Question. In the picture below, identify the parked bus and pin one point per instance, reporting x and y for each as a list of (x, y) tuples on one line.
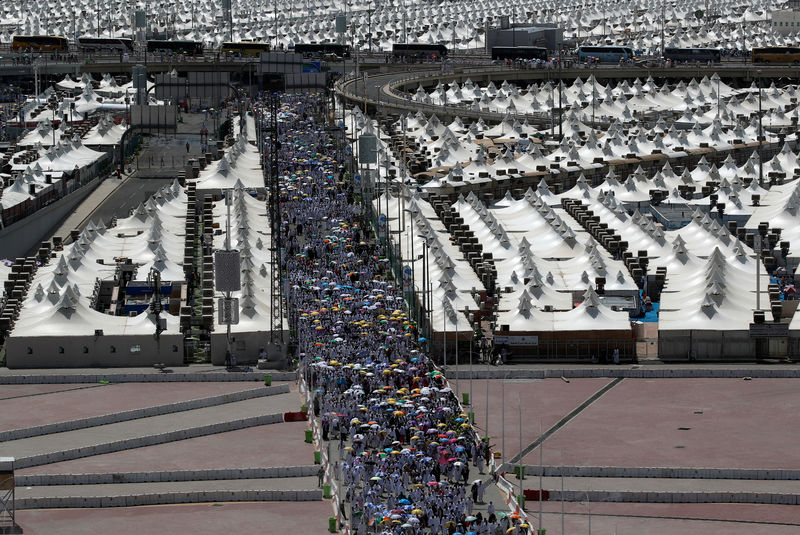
[(776, 54), (604, 54), (693, 55), (419, 50), (319, 50), (247, 49), (101, 44), (520, 52), (39, 43), (189, 48)]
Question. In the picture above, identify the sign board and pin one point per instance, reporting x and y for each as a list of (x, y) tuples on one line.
[(341, 24), (228, 308), (769, 330), (6, 473), (407, 280), (154, 117), (367, 149), (382, 221), (528, 340), (227, 271)]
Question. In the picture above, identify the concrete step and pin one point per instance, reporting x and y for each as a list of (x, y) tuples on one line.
[(268, 472), (664, 472), (661, 490), (12, 377), (133, 494), (68, 445), (146, 412)]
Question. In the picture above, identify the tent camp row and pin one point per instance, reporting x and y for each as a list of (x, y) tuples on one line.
[(461, 24), (550, 272), (59, 324)]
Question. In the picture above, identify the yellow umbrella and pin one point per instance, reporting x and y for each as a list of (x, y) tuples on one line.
[(417, 511)]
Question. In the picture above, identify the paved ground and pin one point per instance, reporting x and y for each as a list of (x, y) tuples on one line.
[(148, 426), (262, 446), (96, 400), (639, 423), (270, 518), (191, 368), (547, 400), (732, 514), (8, 392), (633, 525)]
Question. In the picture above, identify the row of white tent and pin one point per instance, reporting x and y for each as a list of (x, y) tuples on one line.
[(240, 165), (590, 101), (58, 325), (546, 260), (67, 156), (377, 25)]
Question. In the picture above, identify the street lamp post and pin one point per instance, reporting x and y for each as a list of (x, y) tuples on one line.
[(760, 133)]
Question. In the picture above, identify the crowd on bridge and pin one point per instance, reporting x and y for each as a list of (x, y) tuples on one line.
[(408, 459)]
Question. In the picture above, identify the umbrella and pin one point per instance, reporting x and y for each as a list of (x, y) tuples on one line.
[(417, 512), (470, 519)]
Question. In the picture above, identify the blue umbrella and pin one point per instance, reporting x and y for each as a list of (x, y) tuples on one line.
[(402, 501)]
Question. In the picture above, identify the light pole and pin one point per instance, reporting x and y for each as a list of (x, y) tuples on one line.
[(560, 127), (760, 133), (488, 368), (663, 10), (53, 105), (425, 279), (503, 416)]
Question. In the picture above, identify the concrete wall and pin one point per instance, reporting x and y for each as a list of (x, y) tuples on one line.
[(246, 347), (131, 500), (705, 345), (18, 239), (92, 351)]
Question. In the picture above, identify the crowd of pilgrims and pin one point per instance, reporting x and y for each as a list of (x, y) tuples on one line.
[(405, 449)]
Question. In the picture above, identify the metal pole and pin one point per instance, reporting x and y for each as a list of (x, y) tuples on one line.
[(487, 404), (757, 244), (444, 339), (503, 415), (760, 134), (588, 506), (228, 202), (458, 393), (541, 470), (663, 10), (562, 505), (470, 370), (560, 128), (519, 406)]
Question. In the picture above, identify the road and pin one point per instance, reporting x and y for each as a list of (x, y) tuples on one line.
[(379, 97)]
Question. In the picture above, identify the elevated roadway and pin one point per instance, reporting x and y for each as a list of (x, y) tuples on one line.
[(387, 91)]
